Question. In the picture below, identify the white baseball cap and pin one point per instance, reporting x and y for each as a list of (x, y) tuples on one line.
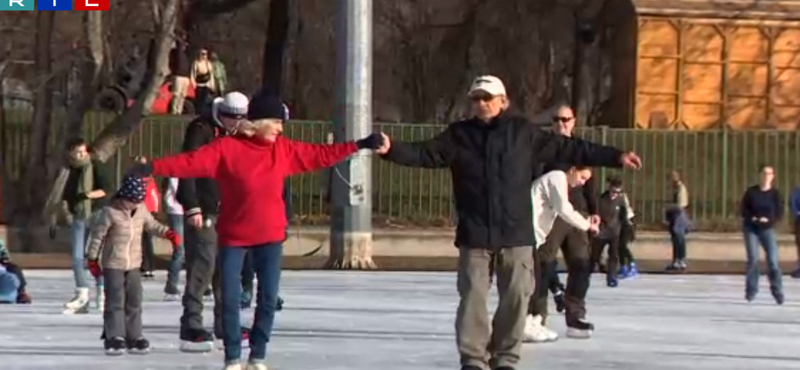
[(487, 84)]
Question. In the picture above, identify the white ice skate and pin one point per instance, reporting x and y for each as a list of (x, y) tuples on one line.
[(233, 367), (100, 299), (172, 297), (79, 303), (256, 366), (535, 332)]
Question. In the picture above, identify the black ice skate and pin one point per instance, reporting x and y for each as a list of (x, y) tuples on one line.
[(139, 346), (196, 341), (114, 346), (558, 298), (579, 328)]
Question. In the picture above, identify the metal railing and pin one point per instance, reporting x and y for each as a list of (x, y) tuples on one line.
[(716, 166)]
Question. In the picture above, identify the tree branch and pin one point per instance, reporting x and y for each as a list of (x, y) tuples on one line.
[(211, 7)]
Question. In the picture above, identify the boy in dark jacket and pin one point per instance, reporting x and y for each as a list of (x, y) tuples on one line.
[(610, 207)]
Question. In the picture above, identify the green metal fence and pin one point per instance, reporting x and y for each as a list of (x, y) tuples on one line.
[(717, 166)]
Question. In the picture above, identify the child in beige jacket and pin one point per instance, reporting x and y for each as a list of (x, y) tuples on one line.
[(116, 241)]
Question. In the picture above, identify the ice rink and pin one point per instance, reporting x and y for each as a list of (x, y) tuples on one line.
[(393, 321)]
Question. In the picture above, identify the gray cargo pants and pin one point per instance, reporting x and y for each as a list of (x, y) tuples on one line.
[(480, 344), (123, 314), (200, 259)]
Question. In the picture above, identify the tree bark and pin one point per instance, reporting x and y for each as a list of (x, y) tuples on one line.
[(275, 46), (116, 134), (90, 64)]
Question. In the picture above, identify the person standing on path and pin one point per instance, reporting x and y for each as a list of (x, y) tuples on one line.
[(794, 205), (181, 70), (250, 168), (678, 222), (175, 221), (200, 200), (761, 209), (80, 190), (492, 158)]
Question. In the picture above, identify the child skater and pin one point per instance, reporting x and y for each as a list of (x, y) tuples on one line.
[(117, 241)]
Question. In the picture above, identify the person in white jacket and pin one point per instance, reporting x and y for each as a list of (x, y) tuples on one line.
[(550, 200)]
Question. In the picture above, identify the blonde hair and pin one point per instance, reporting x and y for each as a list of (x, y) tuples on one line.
[(257, 127)]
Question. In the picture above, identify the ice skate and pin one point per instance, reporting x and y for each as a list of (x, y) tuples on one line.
[(778, 298), (612, 282), (139, 346), (100, 299), (579, 328), (256, 366), (535, 332), (114, 346), (558, 298), (79, 303), (171, 293), (208, 295), (681, 265), (236, 366), (148, 275), (624, 272), (633, 271), (196, 341)]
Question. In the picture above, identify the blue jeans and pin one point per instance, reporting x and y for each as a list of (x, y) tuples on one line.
[(766, 238), (176, 262), (267, 264), (79, 236)]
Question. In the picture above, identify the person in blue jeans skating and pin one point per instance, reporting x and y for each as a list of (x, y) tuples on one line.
[(249, 168), (761, 209)]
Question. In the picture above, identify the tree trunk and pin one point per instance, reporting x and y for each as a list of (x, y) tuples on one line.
[(275, 45), (90, 65), (116, 134), (31, 189)]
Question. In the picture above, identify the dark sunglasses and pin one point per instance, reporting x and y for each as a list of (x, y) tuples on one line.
[(484, 98), (562, 119)]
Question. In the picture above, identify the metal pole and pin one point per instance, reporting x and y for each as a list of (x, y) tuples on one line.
[(351, 208)]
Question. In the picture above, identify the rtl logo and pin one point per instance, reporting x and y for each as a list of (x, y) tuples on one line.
[(6, 5)]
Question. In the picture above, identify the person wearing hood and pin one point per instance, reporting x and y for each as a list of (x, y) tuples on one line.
[(200, 199), (115, 252), (250, 168)]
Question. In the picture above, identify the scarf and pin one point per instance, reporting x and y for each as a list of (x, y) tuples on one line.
[(83, 208)]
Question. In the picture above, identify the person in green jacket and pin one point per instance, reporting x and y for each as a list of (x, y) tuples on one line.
[(220, 75)]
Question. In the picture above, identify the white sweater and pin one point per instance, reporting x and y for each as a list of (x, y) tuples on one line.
[(173, 207), (550, 197)]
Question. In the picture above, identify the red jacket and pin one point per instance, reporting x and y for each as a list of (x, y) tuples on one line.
[(250, 174), (152, 198)]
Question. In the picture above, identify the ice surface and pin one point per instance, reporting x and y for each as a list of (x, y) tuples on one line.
[(392, 321)]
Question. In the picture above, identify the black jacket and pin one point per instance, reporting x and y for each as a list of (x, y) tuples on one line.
[(199, 195), (492, 166), (611, 215), (583, 198)]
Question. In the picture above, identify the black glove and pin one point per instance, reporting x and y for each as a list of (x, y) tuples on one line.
[(82, 197), (373, 141), (141, 169)]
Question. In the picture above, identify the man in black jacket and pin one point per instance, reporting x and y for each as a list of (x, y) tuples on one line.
[(574, 245), (612, 209), (492, 159), (200, 201)]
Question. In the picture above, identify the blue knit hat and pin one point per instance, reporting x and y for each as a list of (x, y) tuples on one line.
[(9, 284), (132, 189)]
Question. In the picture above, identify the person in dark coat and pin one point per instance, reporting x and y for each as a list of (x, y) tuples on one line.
[(492, 158)]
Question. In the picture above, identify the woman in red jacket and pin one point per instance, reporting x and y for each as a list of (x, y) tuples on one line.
[(250, 167)]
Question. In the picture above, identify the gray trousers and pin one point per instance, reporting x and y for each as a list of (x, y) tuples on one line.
[(480, 344), (200, 260), (123, 312)]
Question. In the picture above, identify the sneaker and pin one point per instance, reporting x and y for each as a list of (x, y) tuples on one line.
[(682, 265), (139, 346), (558, 298), (256, 366), (579, 328), (536, 332), (633, 271), (100, 299), (196, 340), (114, 346)]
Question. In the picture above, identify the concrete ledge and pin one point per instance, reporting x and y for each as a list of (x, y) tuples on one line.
[(414, 249)]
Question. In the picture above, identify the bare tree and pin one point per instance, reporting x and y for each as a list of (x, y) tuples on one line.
[(116, 134), (90, 65), (275, 45)]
